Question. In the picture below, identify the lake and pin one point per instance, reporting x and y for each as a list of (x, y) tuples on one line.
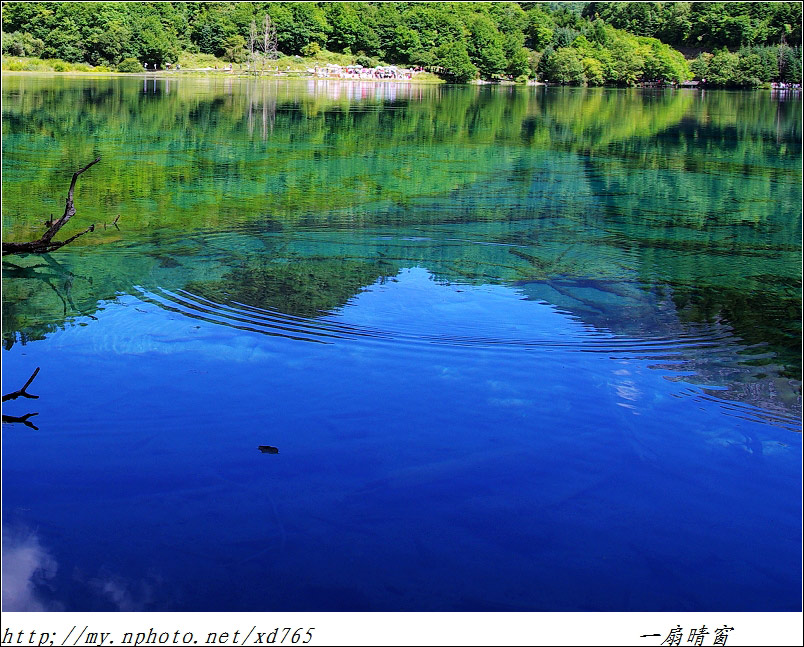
[(512, 348)]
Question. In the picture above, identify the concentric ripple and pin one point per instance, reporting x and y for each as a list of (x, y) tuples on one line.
[(699, 356), (326, 329)]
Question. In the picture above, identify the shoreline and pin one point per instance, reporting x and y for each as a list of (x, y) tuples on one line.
[(218, 74), (222, 74), (200, 73)]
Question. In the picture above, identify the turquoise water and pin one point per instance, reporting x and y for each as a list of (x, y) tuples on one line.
[(518, 348)]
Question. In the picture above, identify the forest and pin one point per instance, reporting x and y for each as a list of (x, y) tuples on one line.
[(732, 44)]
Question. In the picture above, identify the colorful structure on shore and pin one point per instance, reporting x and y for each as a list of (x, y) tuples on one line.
[(333, 71)]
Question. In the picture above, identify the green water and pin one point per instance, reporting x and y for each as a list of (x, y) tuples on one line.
[(298, 195)]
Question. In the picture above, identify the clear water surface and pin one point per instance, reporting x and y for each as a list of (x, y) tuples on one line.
[(518, 348)]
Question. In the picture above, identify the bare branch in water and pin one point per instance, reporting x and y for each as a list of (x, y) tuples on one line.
[(45, 244), (22, 393)]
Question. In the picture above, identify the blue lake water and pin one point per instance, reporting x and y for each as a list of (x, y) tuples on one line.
[(518, 350)]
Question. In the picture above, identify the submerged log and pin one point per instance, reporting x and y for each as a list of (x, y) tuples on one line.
[(46, 243)]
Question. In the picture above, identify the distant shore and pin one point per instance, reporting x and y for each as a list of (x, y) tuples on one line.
[(217, 74), (225, 74)]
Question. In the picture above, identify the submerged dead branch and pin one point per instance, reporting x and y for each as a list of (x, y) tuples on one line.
[(23, 419), (46, 244), (22, 393)]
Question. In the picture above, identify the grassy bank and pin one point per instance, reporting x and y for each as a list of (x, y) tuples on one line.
[(23, 64), (203, 64)]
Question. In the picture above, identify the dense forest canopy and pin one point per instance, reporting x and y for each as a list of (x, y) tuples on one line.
[(705, 24), (620, 43)]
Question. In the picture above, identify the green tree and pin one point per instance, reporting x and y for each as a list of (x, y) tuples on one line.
[(597, 33), (36, 18), (565, 66), (661, 62), (544, 59), (564, 37), (347, 28), (485, 47), (235, 49), (750, 68), (593, 71), (305, 23), (723, 68), (455, 62), (109, 41), (539, 30), (627, 64), (405, 45), (211, 30), (153, 43), (639, 18), (435, 25), (64, 42), (386, 19), (675, 25), (509, 17), (22, 44), (789, 64), (520, 64), (700, 66)]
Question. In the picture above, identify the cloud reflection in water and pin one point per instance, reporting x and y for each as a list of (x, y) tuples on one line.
[(27, 567), (30, 581)]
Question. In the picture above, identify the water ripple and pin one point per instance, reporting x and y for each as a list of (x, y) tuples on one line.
[(326, 329)]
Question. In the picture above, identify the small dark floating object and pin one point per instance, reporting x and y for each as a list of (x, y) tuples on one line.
[(267, 449)]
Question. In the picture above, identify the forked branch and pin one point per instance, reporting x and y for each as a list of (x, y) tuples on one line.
[(23, 419), (22, 393), (46, 244)]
